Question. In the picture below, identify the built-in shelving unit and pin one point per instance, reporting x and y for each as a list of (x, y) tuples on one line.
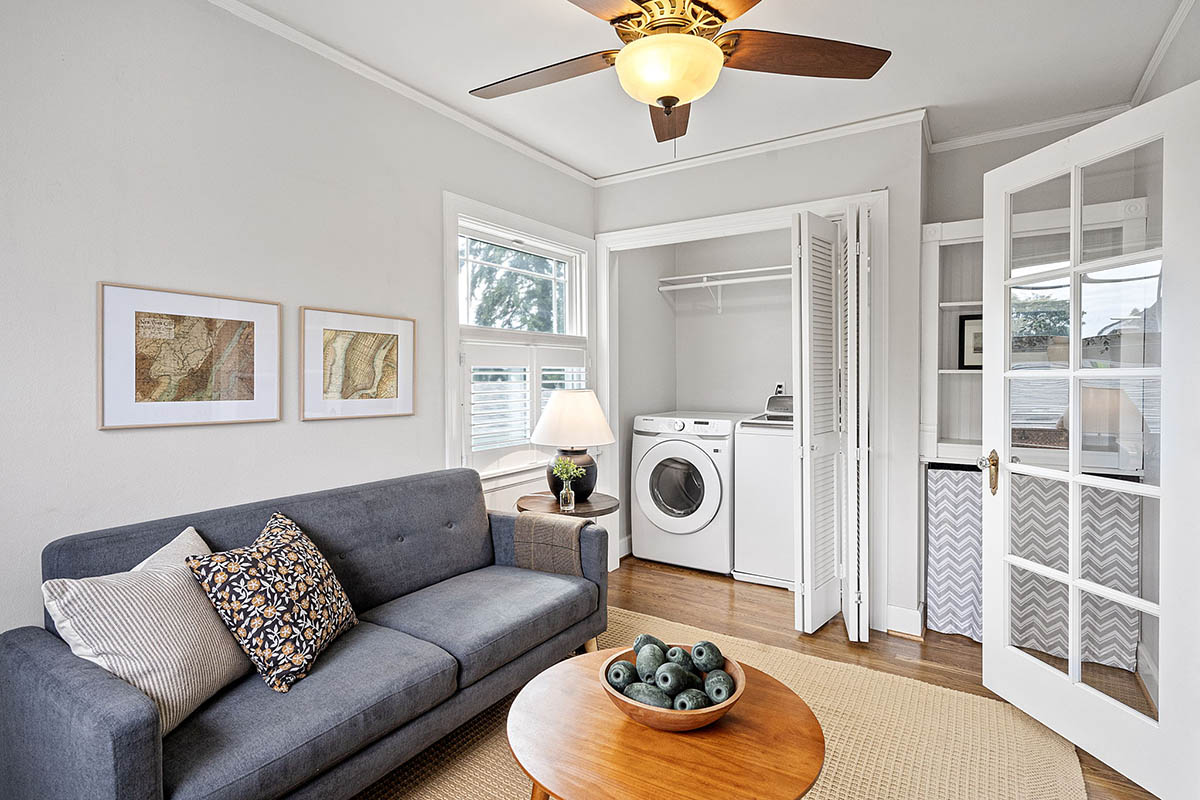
[(952, 287)]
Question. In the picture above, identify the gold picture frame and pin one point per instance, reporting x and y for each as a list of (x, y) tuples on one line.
[(130, 391), (386, 350)]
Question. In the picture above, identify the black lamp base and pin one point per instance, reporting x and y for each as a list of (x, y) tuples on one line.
[(584, 486)]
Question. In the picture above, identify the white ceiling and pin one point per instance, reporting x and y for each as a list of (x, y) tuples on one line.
[(977, 65)]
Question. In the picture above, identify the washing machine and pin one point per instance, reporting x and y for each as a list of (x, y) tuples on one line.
[(682, 489)]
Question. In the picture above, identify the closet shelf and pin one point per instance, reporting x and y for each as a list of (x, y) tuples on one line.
[(706, 280)]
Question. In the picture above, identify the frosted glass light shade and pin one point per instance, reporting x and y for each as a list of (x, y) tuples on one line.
[(677, 65), (572, 420)]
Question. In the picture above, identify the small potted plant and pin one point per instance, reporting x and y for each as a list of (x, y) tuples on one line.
[(566, 471)]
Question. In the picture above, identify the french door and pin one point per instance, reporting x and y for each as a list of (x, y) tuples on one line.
[(832, 367), (1091, 380)]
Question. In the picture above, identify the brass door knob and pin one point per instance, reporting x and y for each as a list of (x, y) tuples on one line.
[(992, 464)]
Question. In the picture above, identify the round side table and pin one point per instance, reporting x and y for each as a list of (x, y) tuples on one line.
[(597, 505)]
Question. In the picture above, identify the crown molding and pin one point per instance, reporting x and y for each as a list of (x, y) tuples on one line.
[(1160, 52), (1045, 126), (268, 23), (836, 132)]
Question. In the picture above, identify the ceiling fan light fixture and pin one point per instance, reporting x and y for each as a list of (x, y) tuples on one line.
[(679, 66)]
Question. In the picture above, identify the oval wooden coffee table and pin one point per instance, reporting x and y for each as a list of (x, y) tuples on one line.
[(575, 745)]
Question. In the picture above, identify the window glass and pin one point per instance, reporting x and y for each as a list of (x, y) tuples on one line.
[(511, 289)]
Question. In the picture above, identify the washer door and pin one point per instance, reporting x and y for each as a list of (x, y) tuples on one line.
[(678, 488)]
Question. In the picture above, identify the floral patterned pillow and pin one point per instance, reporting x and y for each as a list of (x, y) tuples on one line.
[(279, 598)]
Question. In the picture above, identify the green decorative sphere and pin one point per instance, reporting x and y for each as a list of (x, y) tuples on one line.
[(648, 695), (691, 700), (649, 659), (677, 655), (644, 639), (718, 685), (707, 656), (621, 674)]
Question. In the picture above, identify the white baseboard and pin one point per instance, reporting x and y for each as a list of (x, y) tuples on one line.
[(910, 621), (625, 547), (1147, 669)]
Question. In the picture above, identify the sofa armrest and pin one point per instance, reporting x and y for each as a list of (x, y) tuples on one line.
[(593, 552), (70, 728)]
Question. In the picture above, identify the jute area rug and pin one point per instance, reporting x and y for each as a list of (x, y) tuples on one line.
[(887, 737)]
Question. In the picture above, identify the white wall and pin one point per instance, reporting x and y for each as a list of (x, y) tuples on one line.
[(167, 143), (731, 361), (646, 342), (955, 189), (891, 158), (1181, 64)]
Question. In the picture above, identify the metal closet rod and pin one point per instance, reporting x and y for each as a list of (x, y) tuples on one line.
[(711, 279)]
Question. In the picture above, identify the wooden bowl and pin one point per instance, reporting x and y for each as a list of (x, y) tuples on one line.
[(668, 719)]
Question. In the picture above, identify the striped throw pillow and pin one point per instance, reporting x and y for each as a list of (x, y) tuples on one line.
[(153, 627)]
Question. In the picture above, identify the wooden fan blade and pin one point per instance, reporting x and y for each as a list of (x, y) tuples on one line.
[(672, 126), (609, 9), (791, 54), (554, 73), (731, 9)]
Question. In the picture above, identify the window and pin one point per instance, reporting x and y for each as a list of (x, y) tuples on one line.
[(521, 330)]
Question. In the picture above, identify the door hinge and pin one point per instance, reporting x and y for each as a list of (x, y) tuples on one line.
[(858, 598), (857, 248), (462, 359)]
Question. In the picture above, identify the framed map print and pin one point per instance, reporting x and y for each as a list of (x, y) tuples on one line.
[(178, 358), (355, 365)]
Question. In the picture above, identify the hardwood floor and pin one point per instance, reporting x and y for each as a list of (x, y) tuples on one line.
[(764, 614)]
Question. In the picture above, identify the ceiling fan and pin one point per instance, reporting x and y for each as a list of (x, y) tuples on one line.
[(674, 51)]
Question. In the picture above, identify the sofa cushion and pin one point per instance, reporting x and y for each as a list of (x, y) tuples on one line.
[(488, 617), (384, 539), (249, 742), (152, 626), (279, 598)]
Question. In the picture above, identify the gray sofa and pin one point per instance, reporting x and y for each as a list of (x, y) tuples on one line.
[(448, 627)]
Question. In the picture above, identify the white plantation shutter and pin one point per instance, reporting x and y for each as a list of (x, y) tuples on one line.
[(506, 386)]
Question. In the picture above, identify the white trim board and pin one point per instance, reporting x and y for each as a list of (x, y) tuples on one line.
[(1160, 52), (909, 621), (1017, 131)]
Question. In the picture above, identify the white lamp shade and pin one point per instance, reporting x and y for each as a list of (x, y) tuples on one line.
[(573, 420)]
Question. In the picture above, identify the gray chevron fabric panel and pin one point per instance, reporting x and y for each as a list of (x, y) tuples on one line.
[(1111, 527), (954, 532)]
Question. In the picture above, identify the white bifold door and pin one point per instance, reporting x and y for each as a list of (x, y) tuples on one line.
[(831, 365), (1091, 552)]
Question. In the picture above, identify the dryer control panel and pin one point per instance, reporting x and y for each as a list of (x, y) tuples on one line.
[(691, 426)]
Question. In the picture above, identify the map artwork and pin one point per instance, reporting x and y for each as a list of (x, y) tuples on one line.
[(359, 366), (181, 358)]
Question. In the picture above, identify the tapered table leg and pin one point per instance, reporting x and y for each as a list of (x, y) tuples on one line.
[(539, 793)]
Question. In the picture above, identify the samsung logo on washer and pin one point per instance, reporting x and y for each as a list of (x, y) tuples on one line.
[(690, 483)]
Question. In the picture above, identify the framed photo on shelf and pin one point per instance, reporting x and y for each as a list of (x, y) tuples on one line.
[(970, 341), (169, 357), (355, 365)]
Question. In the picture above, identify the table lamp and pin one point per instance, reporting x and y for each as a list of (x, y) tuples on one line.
[(572, 422)]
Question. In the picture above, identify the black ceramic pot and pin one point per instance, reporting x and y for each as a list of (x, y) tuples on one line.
[(583, 487)]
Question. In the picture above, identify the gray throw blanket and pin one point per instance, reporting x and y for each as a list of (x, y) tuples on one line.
[(548, 543)]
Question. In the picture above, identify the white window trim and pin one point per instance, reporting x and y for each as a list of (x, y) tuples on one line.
[(492, 223)]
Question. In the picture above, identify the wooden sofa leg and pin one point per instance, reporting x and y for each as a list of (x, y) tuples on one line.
[(590, 646)]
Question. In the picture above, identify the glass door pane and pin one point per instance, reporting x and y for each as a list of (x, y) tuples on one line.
[(1128, 186), (1039, 226)]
